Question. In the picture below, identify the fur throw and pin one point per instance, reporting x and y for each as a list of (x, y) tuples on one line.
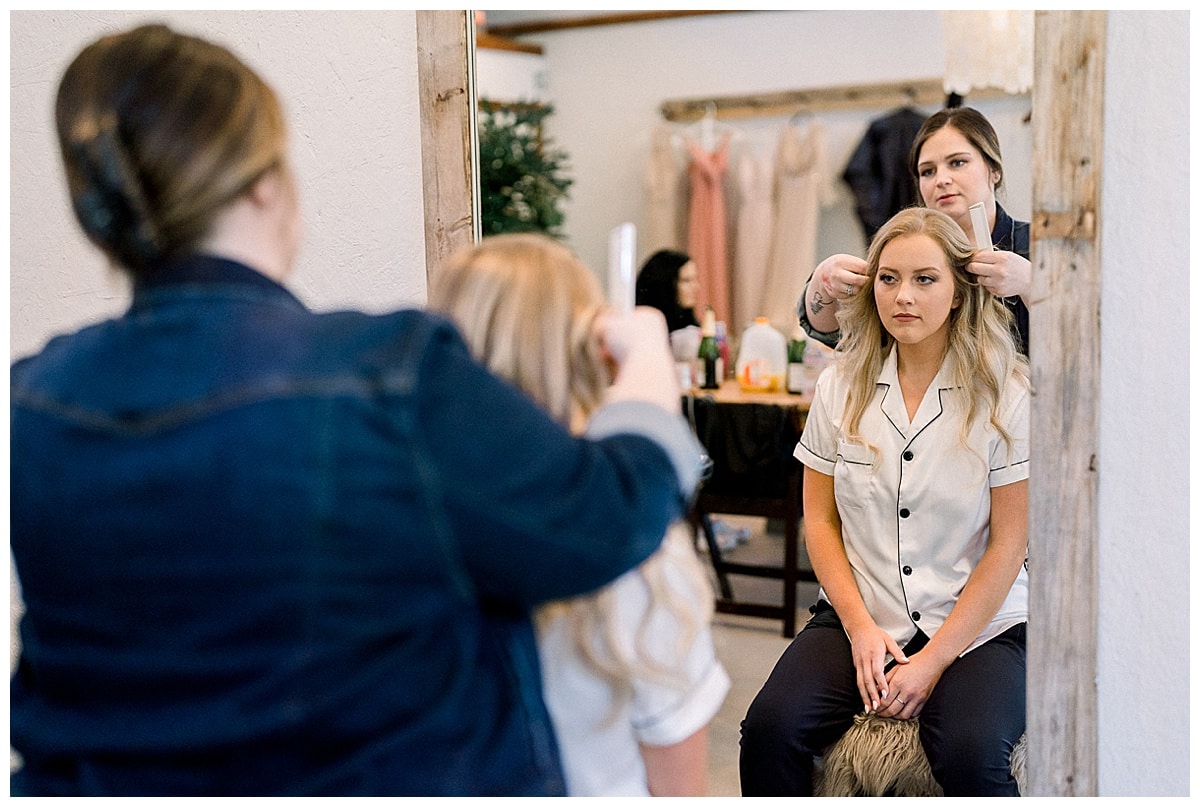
[(881, 756)]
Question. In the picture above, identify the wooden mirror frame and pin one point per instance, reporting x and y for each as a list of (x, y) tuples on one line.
[(1062, 646), (1065, 343), (449, 161)]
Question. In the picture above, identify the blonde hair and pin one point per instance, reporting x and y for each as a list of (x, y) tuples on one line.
[(980, 347), (526, 306), (159, 132)]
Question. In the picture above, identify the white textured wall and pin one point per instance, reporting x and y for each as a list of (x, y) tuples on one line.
[(507, 75), (608, 82), (348, 83), (1144, 670)]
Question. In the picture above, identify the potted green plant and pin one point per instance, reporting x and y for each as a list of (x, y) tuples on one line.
[(523, 178)]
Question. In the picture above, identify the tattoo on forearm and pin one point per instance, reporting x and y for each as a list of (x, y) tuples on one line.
[(819, 302)]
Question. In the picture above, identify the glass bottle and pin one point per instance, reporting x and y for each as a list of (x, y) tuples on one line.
[(795, 357), (723, 344), (709, 369)]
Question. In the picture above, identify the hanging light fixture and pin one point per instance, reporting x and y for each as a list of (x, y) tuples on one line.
[(988, 49)]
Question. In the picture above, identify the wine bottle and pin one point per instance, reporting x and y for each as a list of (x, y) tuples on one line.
[(709, 356), (723, 344), (795, 357)]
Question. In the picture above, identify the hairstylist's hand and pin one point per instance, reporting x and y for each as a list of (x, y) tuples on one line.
[(1004, 274), (840, 276), (639, 346)]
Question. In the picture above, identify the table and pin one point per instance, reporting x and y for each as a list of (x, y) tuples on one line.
[(731, 392), (750, 438)]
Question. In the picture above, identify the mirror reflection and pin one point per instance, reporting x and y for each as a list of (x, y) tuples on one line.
[(759, 119)]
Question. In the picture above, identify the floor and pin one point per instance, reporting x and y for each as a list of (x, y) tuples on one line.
[(748, 647)]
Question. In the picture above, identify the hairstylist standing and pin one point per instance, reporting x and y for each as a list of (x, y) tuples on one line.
[(269, 551), (956, 163)]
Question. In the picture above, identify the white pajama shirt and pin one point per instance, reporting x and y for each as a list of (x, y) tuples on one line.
[(598, 733), (915, 522)]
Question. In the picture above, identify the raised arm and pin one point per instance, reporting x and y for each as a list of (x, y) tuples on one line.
[(529, 512), (835, 279)]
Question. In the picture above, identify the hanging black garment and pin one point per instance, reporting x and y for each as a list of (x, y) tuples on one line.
[(878, 169)]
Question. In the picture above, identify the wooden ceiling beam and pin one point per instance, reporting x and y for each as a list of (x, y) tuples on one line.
[(591, 20)]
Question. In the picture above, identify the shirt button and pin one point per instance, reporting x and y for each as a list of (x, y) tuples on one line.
[(908, 455), (903, 512), (916, 615), (907, 570)]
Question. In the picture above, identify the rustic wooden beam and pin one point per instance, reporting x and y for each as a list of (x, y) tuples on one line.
[(495, 42), (552, 23), (881, 95), (444, 65), (1068, 128)]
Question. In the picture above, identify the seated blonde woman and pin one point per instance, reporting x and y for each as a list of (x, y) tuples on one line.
[(916, 486), (630, 674)]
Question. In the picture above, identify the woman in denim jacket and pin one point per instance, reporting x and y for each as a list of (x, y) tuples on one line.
[(269, 551)]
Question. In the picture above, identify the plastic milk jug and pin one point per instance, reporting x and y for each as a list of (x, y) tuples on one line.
[(762, 358)]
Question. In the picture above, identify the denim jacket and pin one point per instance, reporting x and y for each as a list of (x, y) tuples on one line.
[(269, 551)]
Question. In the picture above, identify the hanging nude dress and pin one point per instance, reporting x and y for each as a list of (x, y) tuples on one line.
[(801, 187), (752, 242), (664, 191)]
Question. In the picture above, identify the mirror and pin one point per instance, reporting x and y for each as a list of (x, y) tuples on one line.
[(608, 84)]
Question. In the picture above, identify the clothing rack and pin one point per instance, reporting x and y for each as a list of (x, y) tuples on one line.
[(921, 92)]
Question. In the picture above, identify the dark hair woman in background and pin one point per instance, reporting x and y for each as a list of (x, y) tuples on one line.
[(269, 551), (668, 282)]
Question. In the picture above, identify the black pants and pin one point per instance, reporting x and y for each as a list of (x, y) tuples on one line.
[(969, 725)]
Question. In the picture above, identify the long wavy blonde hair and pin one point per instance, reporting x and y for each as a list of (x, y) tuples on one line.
[(526, 306), (982, 354)]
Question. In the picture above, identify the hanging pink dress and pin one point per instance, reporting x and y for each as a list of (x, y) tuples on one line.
[(708, 238)]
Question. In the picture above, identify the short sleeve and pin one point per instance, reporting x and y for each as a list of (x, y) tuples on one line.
[(1010, 463), (817, 448), (681, 714)]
